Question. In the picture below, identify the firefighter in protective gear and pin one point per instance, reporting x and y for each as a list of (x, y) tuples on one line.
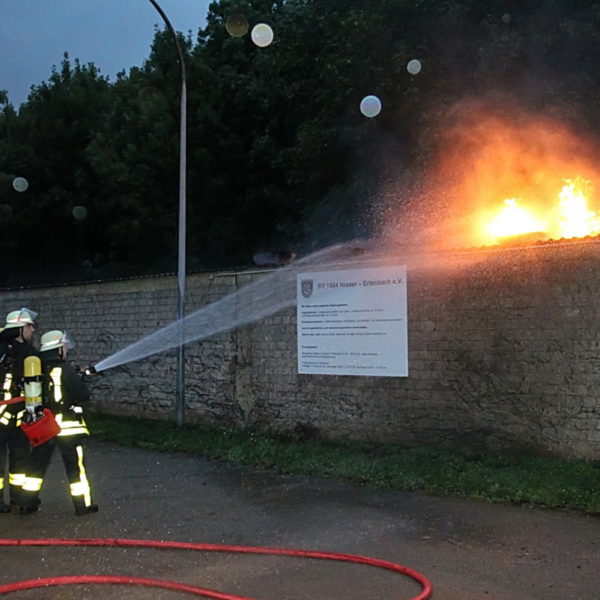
[(15, 347), (63, 391)]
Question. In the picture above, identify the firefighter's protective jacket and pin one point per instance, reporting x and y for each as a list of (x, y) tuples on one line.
[(13, 354), (63, 392), (11, 371)]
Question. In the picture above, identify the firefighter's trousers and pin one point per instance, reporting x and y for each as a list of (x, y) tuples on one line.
[(14, 446), (71, 449)]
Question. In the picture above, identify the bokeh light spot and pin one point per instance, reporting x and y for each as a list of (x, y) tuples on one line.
[(370, 106), (80, 212), (20, 184), (237, 25), (262, 35), (413, 66)]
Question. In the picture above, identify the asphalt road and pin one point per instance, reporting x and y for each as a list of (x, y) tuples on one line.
[(469, 550)]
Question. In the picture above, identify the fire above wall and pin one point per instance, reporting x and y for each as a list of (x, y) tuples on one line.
[(569, 217), (501, 172)]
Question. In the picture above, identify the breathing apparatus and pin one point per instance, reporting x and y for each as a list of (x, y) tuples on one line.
[(32, 379), (39, 424)]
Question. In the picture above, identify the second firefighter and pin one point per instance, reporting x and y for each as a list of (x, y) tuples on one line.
[(63, 393)]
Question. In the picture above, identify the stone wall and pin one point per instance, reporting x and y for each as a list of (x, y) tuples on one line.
[(503, 352)]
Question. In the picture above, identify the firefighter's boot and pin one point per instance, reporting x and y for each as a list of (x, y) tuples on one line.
[(27, 510), (81, 509)]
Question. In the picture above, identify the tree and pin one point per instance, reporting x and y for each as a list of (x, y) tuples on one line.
[(44, 143), (279, 155)]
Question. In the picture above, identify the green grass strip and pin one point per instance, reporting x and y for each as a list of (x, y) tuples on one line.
[(519, 478)]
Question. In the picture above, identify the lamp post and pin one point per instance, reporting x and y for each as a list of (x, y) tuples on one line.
[(180, 383)]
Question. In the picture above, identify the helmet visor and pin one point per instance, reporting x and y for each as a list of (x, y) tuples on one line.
[(67, 341)]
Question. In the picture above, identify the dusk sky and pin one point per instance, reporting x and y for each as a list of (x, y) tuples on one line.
[(113, 34)]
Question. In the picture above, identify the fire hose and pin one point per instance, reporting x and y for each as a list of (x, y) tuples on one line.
[(191, 589), (12, 400)]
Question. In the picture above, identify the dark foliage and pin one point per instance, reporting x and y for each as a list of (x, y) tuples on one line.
[(279, 155)]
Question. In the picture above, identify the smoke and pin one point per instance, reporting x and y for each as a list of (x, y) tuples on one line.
[(427, 178), (483, 151), (510, 110)]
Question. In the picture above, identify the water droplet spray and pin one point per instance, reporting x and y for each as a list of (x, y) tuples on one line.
[(257, 300)]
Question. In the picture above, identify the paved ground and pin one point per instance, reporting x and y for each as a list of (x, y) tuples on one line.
[(469, 550)]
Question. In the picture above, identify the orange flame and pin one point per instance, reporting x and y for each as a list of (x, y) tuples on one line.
[(575, 219), (513, 220), (499, 171), (570, 218)]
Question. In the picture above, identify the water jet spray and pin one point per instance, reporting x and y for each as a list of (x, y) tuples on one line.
[(257, 300)]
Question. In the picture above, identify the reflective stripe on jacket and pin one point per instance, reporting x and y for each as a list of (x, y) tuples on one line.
[(70, 423), (5, 415), (6, 386)]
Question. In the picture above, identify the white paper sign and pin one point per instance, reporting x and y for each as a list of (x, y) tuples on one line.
[(353, 322)]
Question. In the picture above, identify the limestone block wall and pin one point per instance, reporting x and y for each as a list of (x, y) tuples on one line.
[(503, 352)]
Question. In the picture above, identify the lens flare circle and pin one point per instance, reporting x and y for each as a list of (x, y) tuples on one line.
[(262, 35), (414, 66), (237, 25), (20, 184), (79, 212), (370, 106)]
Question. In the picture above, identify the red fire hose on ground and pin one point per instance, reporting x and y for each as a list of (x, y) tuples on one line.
[(197, 591)]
